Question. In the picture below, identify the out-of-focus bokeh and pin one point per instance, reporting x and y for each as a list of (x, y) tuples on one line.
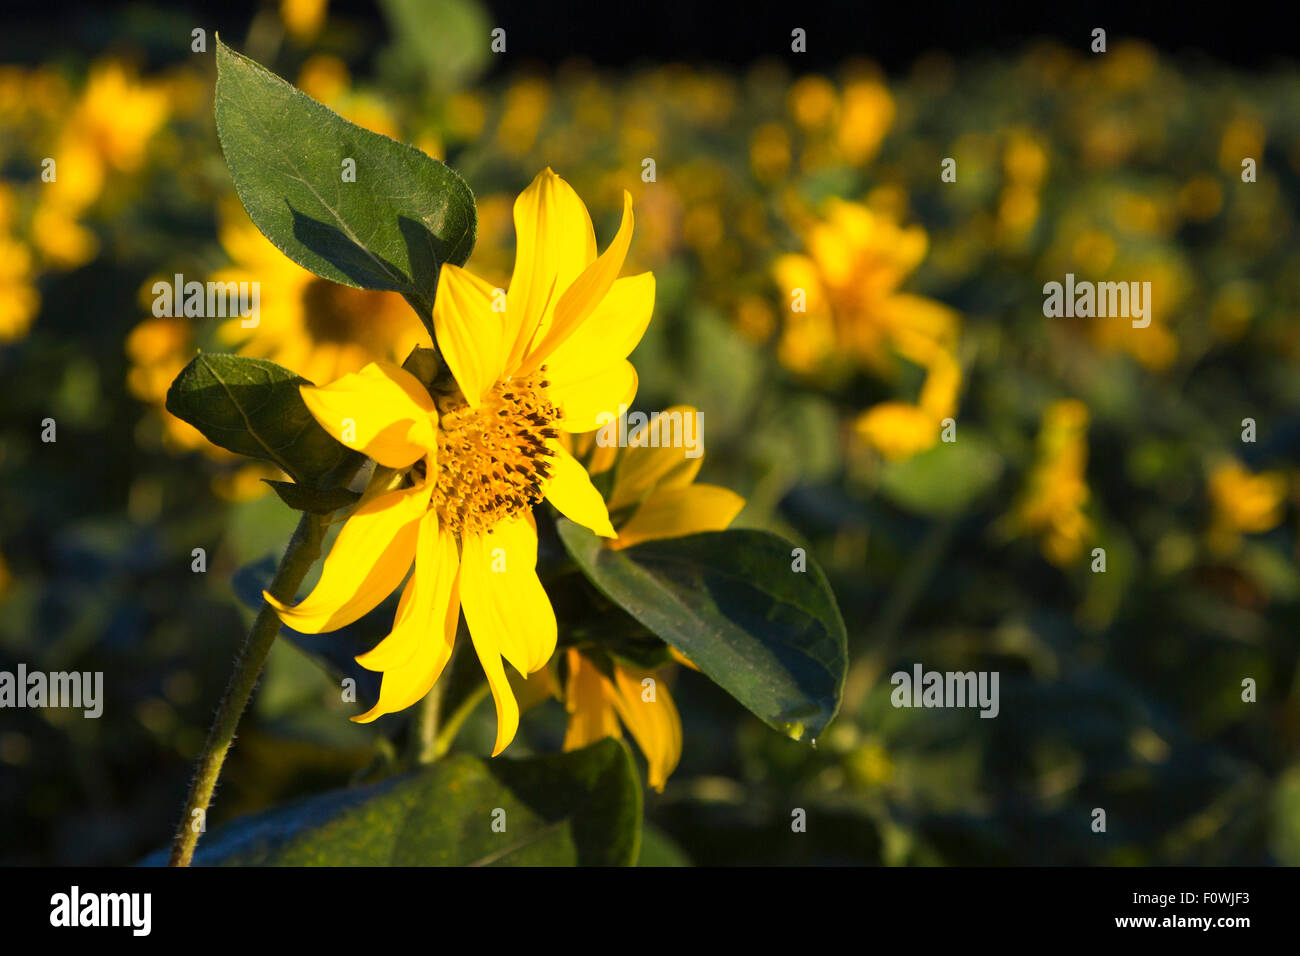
[(828, 300)]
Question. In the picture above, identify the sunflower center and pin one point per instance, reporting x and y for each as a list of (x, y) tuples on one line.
[(338, 314), (493, 462)]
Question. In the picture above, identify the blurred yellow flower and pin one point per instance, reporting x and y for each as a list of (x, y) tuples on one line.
[(64, 242), (1243, 138), (769, 152), (523, 110), (842, 295), (117, 115), (325, 78), (813, 102), (866, 115), (845, 308), (1243, 503), (19, 298), (899, 430), (303, 19), (465, 114), (108, 131), (1052, 503)]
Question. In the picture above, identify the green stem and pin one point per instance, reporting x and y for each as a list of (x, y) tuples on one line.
[(304, 549), (451, 726), (425, 732)]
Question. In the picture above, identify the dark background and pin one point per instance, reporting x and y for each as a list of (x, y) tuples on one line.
[(1249, 36)]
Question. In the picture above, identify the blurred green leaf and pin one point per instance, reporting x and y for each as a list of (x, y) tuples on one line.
[(252, 407), (579, 808), (770, 636), (945, 479), (392, 228), (446, 39)]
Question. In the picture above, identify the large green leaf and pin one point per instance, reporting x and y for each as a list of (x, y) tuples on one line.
[(392, 228), (732, 602), (560, 810), (252, 407)]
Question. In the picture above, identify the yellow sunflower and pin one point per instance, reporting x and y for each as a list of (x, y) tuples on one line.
[(108, 131), (846, 309), (654, 496), (470, 463), (852, 308)]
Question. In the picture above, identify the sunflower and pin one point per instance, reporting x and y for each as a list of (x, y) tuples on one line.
[(471, 462), (654, 496), (853, 310), (854, 314), (108, 131)]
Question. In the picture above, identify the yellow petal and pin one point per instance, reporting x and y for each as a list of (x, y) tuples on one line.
[(794, 271), (654, 723), (579, 300), (898, 430), (609, 334), (369, 558), (673, 512), (382, 411), (681, 658), (485, 607), (502, 596), (667, 451), (586, 698), (413, 656), (416, 614), (942, 382), (603, 457), (589, 403), (554, 243), (573, 494), (469, 333)]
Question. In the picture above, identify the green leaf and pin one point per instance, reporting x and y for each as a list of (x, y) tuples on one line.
[(392, 228), (579, 808), (252, 407), (318, 501), (945, 479), (770, 636)]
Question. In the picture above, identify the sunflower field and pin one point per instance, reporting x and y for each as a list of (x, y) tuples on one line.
[(416, 454)]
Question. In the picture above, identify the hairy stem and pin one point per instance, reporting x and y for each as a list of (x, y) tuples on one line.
[(301, 554)]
